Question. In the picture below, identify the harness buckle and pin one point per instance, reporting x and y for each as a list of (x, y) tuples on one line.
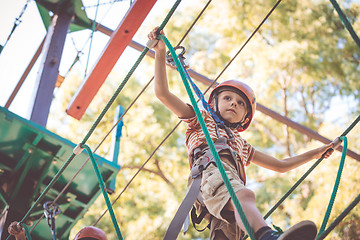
[(196, 171)]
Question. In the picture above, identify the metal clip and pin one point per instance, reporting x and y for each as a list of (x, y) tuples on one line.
[(197, 170), (78, 149), (336, 142), (170, 60), (51, 209)]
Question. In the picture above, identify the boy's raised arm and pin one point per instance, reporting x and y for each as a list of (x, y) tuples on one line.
[(162, 92)]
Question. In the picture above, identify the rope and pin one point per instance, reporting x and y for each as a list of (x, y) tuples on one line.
[(307, 173), (224, 68), (346, 22), (16, 23), (288, 193), (27, 232), (139, 170), (336, 187), (104, 192), (208, 139), (251, 36), (340, 218), (192, 25)]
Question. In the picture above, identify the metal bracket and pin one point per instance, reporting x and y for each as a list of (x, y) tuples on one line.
[(170, 60)]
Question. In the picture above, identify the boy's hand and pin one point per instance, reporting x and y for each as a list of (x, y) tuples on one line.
[(325, 151), (16, 230), (160, 46)]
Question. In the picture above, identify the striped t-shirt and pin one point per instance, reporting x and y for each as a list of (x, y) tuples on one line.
[(195, 137)]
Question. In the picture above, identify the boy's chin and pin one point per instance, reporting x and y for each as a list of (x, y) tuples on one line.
[(231, 121)]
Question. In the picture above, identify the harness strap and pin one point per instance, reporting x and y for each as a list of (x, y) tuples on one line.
[(181, 216), (184, 209), (197, 219)]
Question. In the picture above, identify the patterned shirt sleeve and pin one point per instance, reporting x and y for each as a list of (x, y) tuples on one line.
[(247, 153)]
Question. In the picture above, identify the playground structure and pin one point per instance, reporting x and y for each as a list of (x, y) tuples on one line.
[(35, 143)]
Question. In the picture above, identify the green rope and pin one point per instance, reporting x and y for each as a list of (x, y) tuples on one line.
[(336, 187), (48, 187), (96, 123), (208, 139), (340, 218), (346, 22), (356, 121), (27, 231), (288, 193), (104, 192)]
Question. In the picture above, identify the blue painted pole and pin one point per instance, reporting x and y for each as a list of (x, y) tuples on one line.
[(115, 141)]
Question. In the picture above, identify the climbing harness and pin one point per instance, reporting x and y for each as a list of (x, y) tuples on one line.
[(51, 209), (203, 157)]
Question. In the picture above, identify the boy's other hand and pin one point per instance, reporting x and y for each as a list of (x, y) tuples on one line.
[(16, 230), (160, 46), (325, 150)]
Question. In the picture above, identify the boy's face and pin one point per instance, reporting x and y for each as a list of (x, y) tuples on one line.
[(232, 106)]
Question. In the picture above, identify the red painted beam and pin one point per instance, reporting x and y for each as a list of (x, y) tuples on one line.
[(119, 40)]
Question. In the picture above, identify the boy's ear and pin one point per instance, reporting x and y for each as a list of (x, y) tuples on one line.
[(245, 121)]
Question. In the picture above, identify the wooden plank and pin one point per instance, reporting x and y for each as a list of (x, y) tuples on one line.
[(119, 40)]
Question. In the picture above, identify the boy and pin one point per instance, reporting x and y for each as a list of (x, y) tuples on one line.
[(234, 103)]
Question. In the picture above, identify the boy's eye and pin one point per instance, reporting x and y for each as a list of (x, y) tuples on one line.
[(227, 98)]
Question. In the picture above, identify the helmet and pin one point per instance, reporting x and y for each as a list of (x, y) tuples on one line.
[(243, 90), (91, 232)]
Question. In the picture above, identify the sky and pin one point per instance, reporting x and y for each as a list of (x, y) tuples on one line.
[(27, 37)]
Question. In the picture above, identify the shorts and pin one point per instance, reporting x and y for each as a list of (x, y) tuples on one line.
[(220, 230), (214, 193)]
